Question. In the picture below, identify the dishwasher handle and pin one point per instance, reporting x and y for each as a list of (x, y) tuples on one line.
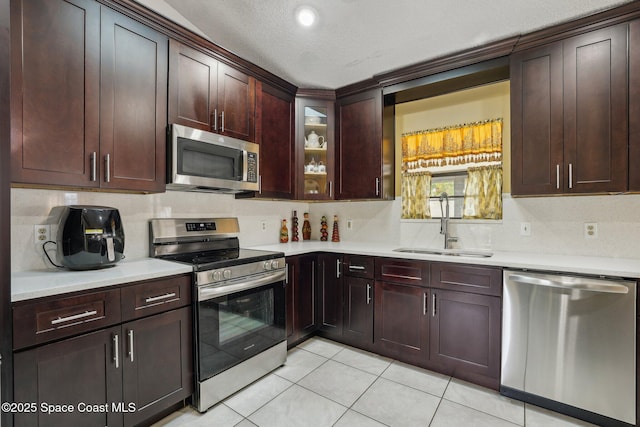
[(571, 283)]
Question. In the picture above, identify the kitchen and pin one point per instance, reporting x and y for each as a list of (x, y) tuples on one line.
[(372, 222)]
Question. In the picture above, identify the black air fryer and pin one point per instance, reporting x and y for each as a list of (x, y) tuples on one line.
[(90, 237)]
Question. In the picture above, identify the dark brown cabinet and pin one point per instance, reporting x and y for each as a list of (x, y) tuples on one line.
[(152, 350), (275, 124), (133, 105), (302, 298), (316, 145), (634, 105), (359, 156), (331, 295), (95, 115), (80, 369), (207, 94), (569, 115), (358, 300), (402, 309), (137, 366), (465, 336), (402, 322)]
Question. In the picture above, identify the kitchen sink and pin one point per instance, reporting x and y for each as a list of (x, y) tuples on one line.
[(448, 252)]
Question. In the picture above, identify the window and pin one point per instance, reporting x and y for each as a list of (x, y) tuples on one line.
[(453, 184)]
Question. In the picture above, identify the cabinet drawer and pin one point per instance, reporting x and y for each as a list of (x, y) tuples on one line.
[(467, 278), (402, 271), (359, 266), (56, 318), (155, 296)]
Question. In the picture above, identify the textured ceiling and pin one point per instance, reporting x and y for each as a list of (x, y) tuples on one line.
[(355, 39)]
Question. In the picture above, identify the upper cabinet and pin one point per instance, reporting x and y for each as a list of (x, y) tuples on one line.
[(362, 161), (275, 123), (89, 97), (569, 115), (316, 146), (634, 105), (210, 95)]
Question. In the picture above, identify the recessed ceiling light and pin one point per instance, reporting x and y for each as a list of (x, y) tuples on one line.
[(306, 16)]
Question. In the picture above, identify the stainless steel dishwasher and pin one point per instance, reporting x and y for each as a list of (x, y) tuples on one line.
[(569, 344)]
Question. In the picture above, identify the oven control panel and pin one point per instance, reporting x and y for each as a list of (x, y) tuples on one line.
[(272, 265), (235, 273), (200, 226)]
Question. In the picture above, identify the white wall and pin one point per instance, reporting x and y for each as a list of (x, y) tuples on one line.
[(33, 206)]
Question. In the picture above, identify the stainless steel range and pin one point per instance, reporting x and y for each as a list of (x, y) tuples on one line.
[(239, 307)]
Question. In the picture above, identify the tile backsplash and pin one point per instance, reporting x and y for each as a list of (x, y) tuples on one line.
[(557, 223)]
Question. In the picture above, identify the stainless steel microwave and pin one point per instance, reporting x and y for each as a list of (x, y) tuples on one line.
[(203, 161)]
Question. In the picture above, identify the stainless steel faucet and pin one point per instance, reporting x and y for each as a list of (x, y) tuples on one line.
[(444, 221)]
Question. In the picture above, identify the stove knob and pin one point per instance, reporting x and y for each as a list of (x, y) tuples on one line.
[(274, 264), (226, 274), (267, 265), (217, 275)]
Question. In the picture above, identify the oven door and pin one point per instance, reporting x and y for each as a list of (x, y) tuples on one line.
[(238, 320)]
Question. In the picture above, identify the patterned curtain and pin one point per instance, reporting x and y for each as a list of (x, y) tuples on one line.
[(483, 193), (415, 195), (454, 145)]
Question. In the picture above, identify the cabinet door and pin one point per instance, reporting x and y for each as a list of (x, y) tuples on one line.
[(193, 88), (275, 134), (596, 111), (86, 369), (157, 363), (359, 155), (55, 74), (236, 103), (465, 335), (634, 106), (358, 312), (331, 294), (537, 164), (315, 170), (402, 322), (306, 297), (133, 105)]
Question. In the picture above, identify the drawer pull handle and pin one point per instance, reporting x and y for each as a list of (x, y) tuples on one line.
[(356, 267), (74, 317), (159, 298)]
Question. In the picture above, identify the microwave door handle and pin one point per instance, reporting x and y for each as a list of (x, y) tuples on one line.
[(245, 164)]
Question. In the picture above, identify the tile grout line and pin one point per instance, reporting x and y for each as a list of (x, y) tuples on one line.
[(440, 402)]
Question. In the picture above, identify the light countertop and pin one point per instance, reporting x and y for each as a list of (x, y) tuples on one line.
[(598, 266), (41, 283)]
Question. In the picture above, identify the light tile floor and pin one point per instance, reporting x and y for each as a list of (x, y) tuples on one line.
[(324, 383)]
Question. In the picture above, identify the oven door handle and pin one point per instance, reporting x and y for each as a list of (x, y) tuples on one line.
[(218, 290)]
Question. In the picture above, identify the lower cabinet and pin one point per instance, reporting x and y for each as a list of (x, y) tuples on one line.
[(465, 336), (156, 363), (402, 322), (302, 298), (62, 374), (357, 327), (438, 315), (124, 374), (331, 295)]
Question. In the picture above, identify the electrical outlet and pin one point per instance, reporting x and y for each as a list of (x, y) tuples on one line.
[(41, 233), (525, 229), (263, 225), (590, 230), (349, 224)]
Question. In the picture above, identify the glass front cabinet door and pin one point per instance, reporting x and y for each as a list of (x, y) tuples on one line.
[(316, 148)]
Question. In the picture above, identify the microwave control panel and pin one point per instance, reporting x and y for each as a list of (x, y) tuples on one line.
[(252, 167)]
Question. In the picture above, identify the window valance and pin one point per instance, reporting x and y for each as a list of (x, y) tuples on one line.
[(477, 142)]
